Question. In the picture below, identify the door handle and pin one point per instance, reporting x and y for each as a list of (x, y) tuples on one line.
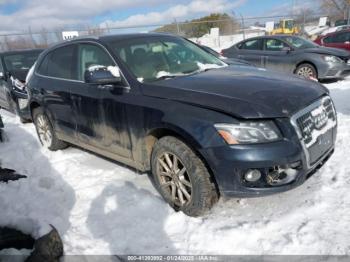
[(105, 87)]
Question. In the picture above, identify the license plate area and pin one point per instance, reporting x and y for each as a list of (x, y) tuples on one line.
[(322, 145)]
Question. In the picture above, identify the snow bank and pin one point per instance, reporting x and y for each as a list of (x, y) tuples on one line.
[(102, 207)]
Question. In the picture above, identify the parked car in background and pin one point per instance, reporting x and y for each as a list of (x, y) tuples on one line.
[(339, 39), (292, 54), (230, 61), (199, 127), (14, 66)]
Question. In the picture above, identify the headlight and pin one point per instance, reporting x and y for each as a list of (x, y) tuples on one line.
[(332, 59), (249, 132), (18, 84)]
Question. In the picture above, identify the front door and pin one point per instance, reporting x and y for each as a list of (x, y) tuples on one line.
[(277, 56), (101, 118)]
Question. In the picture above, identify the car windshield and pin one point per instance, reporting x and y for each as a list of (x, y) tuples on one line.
[(154, 58), (20, 61), (299, 43)]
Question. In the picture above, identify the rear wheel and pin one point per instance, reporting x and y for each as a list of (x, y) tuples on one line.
[(182, 178), (45, 131), (307, 71)]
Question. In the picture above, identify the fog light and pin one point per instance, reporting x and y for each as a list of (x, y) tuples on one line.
[(252, 175)]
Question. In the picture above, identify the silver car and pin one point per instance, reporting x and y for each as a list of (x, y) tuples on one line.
[(293, 54)]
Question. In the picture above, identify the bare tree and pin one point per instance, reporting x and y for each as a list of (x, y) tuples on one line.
[(95, 31), (336, 9), (44, 38), (17, 42)]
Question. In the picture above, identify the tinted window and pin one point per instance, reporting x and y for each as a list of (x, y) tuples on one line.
[(91, 56), (274, 45), (61, 63), (251, 45), (43, 66), (338, 38), (22, 61)]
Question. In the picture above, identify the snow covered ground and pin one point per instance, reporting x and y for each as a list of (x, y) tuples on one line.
[(102, 207)]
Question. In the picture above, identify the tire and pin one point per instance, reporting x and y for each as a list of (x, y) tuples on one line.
[(306, 70), (46, 132), (191, 176)]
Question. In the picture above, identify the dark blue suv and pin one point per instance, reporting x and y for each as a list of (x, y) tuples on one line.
[(199, 127)]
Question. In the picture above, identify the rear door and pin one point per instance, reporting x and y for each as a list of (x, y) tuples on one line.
[(252, 51), (276, 56), (339, 40), (57, 76)]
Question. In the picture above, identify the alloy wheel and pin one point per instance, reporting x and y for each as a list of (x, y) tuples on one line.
[(306, 72), (44, 131), (174, 179)]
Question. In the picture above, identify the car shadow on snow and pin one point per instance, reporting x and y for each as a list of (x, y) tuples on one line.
[(42, 199), (131, 220)]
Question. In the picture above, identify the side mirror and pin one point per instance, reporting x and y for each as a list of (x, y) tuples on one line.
[(103, 75)]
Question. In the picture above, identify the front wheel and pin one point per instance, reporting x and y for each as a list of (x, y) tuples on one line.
[(45, 131), (182, 178), (307, 71)]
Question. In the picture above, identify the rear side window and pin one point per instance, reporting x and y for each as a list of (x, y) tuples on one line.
[(42, 70), (60, 63), (255, 44), (274, 45), (338, 38)]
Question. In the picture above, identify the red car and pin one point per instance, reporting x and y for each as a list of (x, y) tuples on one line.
[(339, 39)]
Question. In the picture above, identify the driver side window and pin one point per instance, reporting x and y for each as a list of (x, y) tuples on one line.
[(274, 45), (92, 57)]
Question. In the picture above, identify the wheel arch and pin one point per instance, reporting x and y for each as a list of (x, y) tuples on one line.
[(157, 133), (306, 62), (33, 105)]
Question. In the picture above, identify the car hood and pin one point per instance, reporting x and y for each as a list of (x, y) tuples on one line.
[(234, 61), (243, 92), (328, 51)]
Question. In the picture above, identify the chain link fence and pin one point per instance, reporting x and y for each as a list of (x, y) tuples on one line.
[(231, 30)]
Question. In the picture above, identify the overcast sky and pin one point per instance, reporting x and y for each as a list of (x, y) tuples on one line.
[(19, 15)]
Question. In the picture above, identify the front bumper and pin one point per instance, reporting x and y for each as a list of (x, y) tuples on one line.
[(334, 71), (230, 163)]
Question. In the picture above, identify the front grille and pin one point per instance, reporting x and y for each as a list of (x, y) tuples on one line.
[(316, 125)]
